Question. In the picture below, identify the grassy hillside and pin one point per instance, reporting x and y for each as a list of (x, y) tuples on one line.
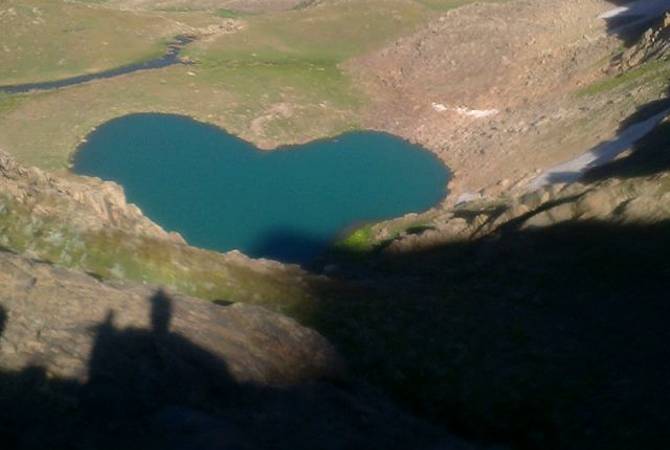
[(117, 253), (536, 321), (265, 82), (46, 40)]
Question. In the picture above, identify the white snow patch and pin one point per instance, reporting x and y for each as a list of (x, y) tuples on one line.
[(574, 169), (641, 11), (613, 12), (464, 111), (467, 197), (476, 113)]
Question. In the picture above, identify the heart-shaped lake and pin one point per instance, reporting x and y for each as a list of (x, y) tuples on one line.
[(222, 193)]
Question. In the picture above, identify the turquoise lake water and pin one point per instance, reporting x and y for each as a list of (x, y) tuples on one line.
[(222, 193)]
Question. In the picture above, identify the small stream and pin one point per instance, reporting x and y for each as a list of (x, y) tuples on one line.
[(171, 57)]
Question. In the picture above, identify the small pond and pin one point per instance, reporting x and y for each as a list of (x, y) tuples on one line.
[(222, 193)]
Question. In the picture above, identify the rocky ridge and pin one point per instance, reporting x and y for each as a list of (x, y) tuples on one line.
[(98, 204), (618, 202), (87, 224), (51, 315), (86, 364), (654, 44)]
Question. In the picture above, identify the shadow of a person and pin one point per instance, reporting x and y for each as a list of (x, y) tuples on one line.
[(152, 388), (135, 373), (3, 320), (161, 313)]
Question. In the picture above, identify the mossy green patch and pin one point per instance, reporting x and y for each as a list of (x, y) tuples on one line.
[(649, 72), (228, 13), (336, 32), (116, 254), (359, 241), (9, 102)]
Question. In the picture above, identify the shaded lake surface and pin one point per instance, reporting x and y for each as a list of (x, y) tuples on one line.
[(222, 193)]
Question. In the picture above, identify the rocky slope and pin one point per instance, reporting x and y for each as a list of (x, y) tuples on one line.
[(88, 203), (653, 45), (533, 319), (52, 315), (631, 188), (499, 91), (243, 6), (537, 321), (91, 365), (614, 201), (86, 224)]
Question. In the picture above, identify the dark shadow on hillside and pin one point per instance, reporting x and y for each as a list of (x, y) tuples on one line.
[(648, 156), (289, 245), (642, 157), (537, 338), (155, 389), (641, 15), (623, 156), (646, 111), (550, 338)]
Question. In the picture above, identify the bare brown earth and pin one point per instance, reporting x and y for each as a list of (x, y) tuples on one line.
[(49, 308), (237, 5), (521, 62)]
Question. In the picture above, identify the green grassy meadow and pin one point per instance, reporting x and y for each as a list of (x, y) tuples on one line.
[(277, 80)]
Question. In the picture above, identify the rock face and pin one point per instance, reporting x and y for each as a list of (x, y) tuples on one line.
[(500, 89), (97, 204), (87, 224), (52, 315), (538, 320), (85, 364), (654, 44), (644, 200)]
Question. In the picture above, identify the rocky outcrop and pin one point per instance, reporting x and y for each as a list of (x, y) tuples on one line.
[(84, 364), (644, 200), (52, 314), (654, 44), (98, 204), (85, 223)]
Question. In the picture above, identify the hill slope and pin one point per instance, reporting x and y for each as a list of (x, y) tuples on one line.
[(530, 317)]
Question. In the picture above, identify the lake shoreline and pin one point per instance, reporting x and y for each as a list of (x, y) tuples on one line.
[(223, 193)]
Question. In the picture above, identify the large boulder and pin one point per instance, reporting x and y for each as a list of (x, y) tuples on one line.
[(90, 365), (89, 203), (54, 316)]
